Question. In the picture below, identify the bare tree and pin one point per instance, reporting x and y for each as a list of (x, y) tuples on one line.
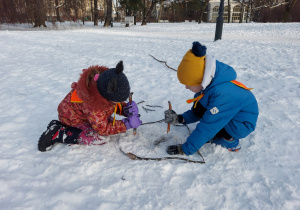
[(201, 5), (57, 6), (242, 13), (96, 12), (160, 10), (7, 11), (290, 4), (256, 5), (148, 8), (229, 11), (83, 10), (108, 19), (39, 12), (16, 11)]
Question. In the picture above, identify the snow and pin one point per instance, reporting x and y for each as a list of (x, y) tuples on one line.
[(39, 65)]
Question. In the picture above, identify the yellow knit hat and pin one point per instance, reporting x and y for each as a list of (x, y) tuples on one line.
[(191, 69)]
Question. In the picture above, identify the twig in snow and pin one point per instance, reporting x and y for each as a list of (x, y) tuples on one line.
[(165, 62), (140, 102), (159, 121), (154, 106), (135, 157), (152, 110)]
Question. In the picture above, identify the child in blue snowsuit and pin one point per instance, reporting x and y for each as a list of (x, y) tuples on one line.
[(224, 108)]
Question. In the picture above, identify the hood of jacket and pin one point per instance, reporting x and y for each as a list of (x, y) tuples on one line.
[(88, 92), (217, 72)]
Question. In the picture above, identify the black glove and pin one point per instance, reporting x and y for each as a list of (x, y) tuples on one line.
[(171, 117), (175, 150)]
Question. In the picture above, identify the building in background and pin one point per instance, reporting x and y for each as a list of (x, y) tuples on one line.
[(238, 13), (189, 10)]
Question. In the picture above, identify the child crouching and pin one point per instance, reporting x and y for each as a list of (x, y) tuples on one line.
[(225, 109), (85, 114)]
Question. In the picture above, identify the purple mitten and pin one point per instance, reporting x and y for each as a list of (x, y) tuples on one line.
[(126, 122), (132, 122), (131, 109)]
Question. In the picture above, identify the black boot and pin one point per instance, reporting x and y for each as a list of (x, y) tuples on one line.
[(45, 141), (58, 133)]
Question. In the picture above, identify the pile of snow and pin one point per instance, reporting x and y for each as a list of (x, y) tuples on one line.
[(38, 67)]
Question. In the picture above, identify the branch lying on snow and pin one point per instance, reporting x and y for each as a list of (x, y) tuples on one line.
[(140, 102), (135, 157), (160, 121), (146, 110), (154, 106), (165, 62), (153, 122)]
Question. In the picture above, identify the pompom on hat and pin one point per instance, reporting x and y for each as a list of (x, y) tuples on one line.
[(113, 84), (191, 69)]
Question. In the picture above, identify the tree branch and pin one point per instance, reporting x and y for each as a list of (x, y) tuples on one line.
[(165, 62), (135, 157), (270, 6)]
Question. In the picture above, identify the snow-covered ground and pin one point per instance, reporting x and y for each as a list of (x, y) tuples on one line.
[(37, 67)]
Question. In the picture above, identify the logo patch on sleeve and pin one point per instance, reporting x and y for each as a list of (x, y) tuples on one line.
[(214, 110)]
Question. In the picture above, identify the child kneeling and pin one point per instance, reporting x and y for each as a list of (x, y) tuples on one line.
[(85, 114)]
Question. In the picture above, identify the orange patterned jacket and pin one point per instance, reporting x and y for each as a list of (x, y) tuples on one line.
[(94, 109)]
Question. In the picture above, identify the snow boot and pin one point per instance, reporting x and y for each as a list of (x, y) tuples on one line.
[(45, 142), (58, 133), (231, 144)]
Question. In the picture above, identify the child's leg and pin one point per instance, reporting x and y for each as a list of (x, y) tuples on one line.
[(223, 133), (89, 136), (225, 140), (57, 133)]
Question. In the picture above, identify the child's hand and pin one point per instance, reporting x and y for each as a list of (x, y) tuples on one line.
[(171, 117), (132, 122), (131, 109)]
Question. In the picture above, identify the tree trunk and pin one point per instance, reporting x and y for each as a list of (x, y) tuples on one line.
[(144, 15), (229, 11), (96, 12), (250, 11), (288, 8), (39, 13), (57, 11), (201, 15), (202, 9), (92, 11), (108, 19), (160, 11), (242, 12)]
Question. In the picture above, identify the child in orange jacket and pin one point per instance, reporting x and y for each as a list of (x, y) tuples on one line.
[(85, 114)]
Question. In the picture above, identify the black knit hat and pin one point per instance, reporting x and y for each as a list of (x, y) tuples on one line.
[(113, 84)]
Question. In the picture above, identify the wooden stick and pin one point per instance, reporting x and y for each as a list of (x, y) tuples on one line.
[(130, 101), (169, 125), (135, 157), (165, 62)]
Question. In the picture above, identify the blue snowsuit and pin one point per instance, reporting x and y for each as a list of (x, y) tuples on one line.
[(226, 105)]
